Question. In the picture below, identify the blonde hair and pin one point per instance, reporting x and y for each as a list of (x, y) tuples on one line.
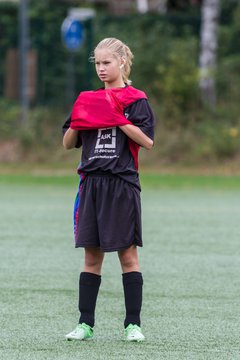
[(119, 49)]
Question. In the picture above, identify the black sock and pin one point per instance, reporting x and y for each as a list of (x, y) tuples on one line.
[(132, 285), (88, 291)]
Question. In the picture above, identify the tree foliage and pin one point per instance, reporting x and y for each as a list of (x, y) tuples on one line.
[(166, 51)]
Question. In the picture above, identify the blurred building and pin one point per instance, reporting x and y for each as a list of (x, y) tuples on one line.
[(124, 7), (11, 88)]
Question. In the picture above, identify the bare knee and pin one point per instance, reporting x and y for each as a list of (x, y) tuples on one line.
[(129, 259), (93, 261)]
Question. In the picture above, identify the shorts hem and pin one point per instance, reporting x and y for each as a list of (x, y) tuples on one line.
[(107, 249)]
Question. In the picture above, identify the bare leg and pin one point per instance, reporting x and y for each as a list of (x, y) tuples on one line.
[(129, 259), (93, 260)]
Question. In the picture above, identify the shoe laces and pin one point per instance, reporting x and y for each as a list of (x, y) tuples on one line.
[(88, 330), (133, 329)]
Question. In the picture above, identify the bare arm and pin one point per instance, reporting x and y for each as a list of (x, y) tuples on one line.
[(70, 139), (136, 134)]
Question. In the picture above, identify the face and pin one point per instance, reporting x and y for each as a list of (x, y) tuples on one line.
[(108, 68)]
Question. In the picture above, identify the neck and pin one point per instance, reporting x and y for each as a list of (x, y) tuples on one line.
[(117, 84)]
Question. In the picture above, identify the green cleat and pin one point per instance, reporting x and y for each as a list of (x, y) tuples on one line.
[(82, 332), (134, 333)]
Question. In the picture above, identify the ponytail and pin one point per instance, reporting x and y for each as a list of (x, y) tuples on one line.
[(127, 65)]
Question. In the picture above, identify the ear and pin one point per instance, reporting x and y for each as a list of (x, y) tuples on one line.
[(123, 62)]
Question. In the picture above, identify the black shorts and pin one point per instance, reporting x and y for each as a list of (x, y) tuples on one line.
[(108, 214)]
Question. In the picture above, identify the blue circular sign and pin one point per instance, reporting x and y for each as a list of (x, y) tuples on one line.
[(72, 34)]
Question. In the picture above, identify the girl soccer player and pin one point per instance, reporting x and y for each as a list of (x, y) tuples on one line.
[(110, 124)]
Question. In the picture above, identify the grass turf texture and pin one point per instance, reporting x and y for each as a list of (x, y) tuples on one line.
[(190, 262)]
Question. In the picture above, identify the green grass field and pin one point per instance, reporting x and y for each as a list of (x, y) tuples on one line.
[(190, 262)]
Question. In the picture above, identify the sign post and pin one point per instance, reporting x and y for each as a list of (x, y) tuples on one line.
[(73, 37), (23, 51)]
